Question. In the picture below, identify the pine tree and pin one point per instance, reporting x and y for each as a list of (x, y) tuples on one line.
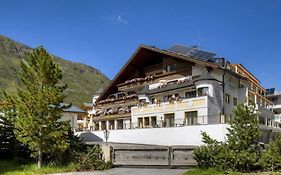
[(7, 138), (10, 147), (38, 105), (244, 129), (241, 151), (243, 134)]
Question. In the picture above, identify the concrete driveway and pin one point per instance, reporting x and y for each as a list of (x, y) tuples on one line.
[(130, 171)]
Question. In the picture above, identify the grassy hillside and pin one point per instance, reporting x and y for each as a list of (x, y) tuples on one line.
[(82, 80)]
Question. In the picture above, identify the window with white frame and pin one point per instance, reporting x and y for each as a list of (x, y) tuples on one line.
[(203, 91)]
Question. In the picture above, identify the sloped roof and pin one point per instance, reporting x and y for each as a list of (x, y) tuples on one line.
[(73, 109), (135, 59), (138, 58)]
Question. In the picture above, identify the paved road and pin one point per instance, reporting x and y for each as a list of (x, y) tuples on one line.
[(130, 171)]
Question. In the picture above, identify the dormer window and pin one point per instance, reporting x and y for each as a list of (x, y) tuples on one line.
[(171, 68)]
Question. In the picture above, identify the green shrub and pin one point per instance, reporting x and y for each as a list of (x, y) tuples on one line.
[(92, 160), (206, 155), (71, 154), (271, 157), (241, 152)]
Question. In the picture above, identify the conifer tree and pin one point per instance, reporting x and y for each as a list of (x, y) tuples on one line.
[(38, 105), (244, 129), (7, 138), (243, 134)]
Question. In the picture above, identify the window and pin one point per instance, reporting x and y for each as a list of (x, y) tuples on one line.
[(153, 100), (146, 121), (169, 120), (103, 125), (227, 98), (80, 118), (140, 122), (153, 121), (120, 95), (191, 118), (111, 124), (203, 91), (241, 85), (120, 124), (234, 101), (190, 94), (171, 67), (165, 98), (142, 101), (131, 92)]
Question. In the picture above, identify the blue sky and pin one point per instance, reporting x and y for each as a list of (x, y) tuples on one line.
[(104, 34)]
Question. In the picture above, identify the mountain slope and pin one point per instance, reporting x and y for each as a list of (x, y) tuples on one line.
[(82, 80)]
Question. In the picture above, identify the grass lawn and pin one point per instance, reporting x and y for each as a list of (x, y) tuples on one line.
[(211, 171), (13, 167)]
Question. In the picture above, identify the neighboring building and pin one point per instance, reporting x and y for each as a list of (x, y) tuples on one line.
[(73, 114), (275, 97), (256, 95), (76, 118), (181, 86), (87, 120)]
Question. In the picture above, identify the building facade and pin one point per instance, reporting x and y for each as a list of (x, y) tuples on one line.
[(275, 97), (76, 118), (178, 87)]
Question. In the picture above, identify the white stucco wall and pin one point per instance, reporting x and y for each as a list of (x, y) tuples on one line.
[(198, 69), (213, 113), (232, 88), (187, 135), (72, 118)]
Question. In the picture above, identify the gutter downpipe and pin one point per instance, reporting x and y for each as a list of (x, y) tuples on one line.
[(223, 88)]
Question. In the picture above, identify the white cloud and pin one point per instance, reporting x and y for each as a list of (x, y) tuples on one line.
[(120, 19), (115, 19)]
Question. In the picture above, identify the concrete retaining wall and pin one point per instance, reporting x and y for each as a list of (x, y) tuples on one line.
[(186, 135)]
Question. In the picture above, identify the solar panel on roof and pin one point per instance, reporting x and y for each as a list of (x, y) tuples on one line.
[(192, 51), (270, 91)]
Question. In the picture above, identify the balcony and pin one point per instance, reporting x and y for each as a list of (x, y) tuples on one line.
[(126, 98), (190, 103), (136, 82), (111, 116), (264, 112)]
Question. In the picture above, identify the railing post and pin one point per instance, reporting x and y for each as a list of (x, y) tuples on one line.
[(169, 156)]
